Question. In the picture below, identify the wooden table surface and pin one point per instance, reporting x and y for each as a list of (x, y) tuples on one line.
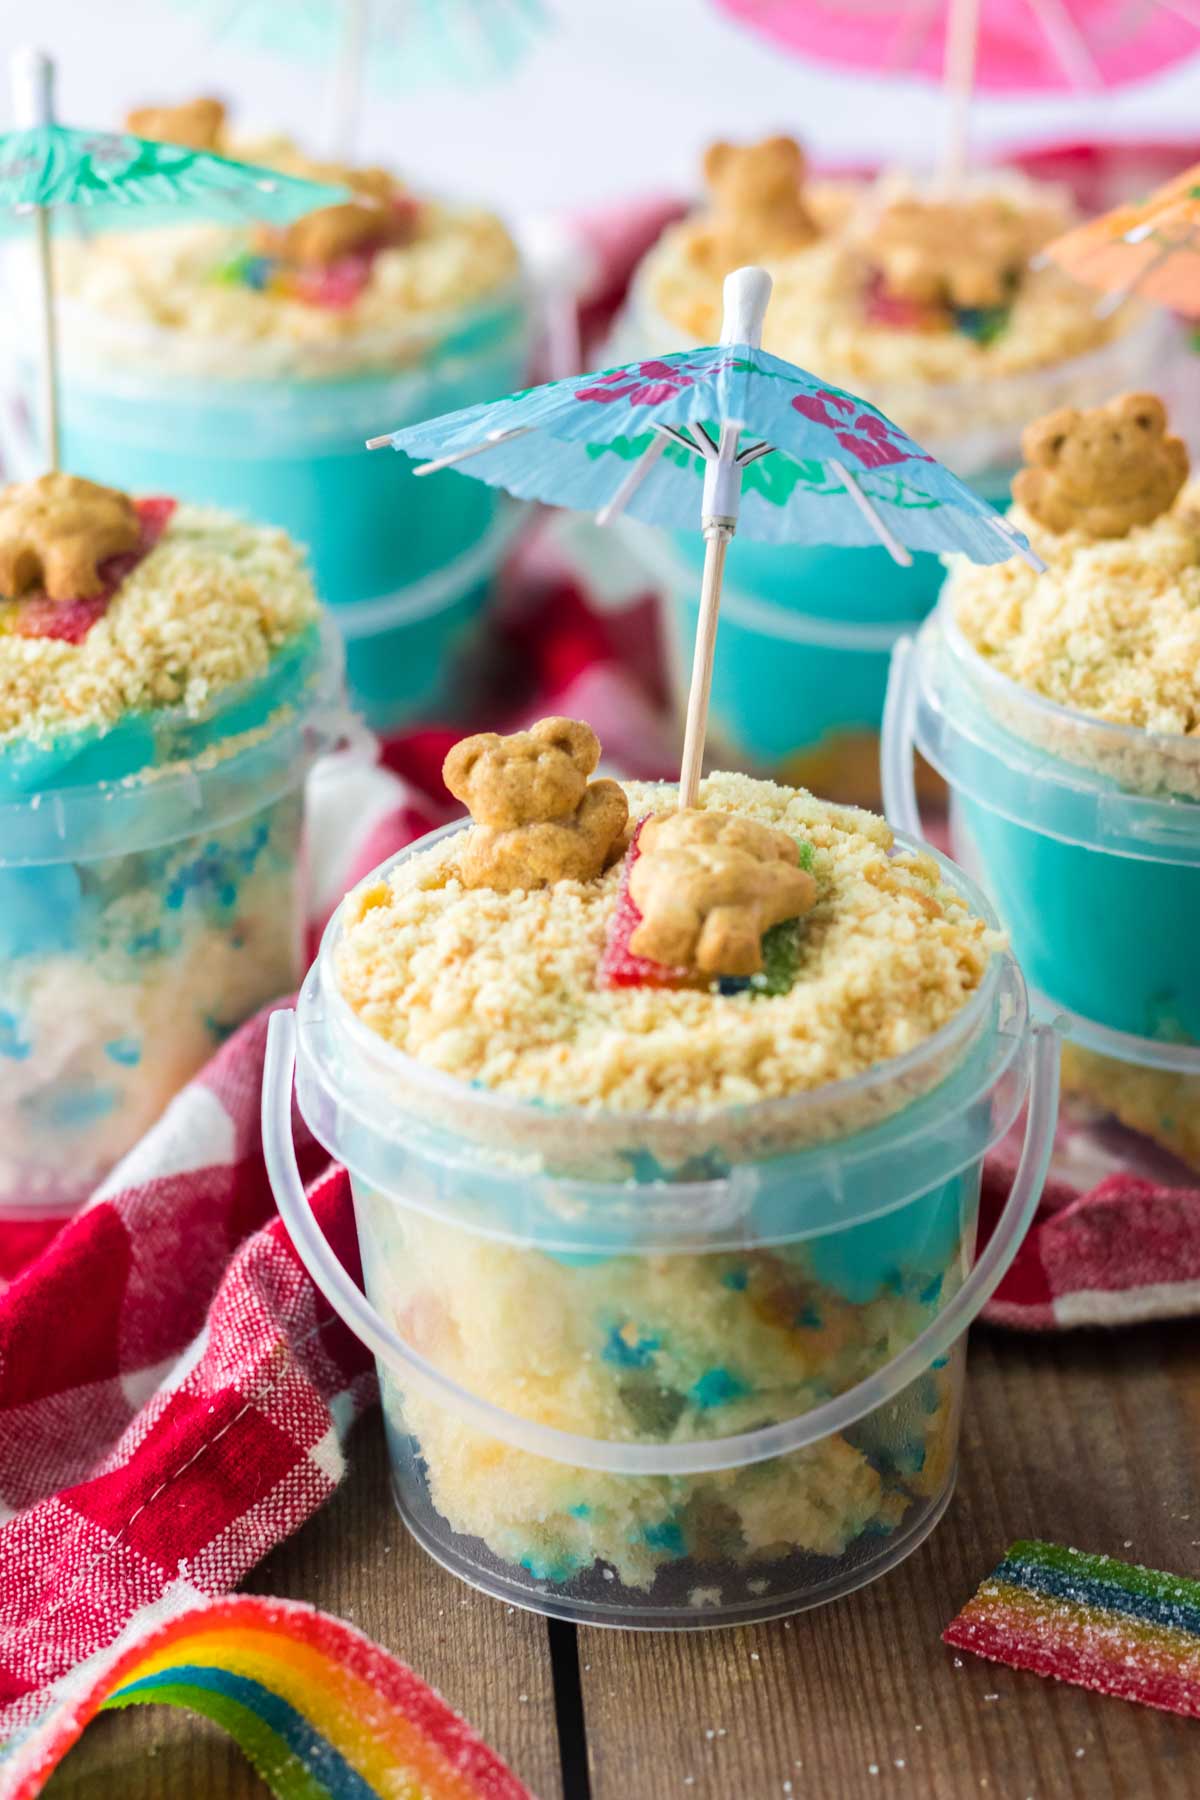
[(1092, 1440)]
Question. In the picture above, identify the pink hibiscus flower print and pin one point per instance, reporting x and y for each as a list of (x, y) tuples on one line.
[(863, 435), (653, 383)]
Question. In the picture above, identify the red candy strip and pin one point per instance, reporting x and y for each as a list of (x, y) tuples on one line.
[(336, 287), (621, 967), (882, 307), (69, 621), (1080, 1664)]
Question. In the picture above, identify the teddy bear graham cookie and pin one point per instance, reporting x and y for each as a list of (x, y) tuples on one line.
[(709, 885), (756, 208), (56, 531), (1103, 471), (538, 818), (706, 885)]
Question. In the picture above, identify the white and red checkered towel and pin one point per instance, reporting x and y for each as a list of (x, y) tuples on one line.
[(174, 1396)]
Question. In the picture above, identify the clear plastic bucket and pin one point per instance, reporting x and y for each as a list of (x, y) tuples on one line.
[(405, 652), (1087, 836), (666, 1371), (289, 451), (141, 920)]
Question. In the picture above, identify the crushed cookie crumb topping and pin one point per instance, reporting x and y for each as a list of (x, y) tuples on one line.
[(204, 609), (1111, 628), (503, 990)]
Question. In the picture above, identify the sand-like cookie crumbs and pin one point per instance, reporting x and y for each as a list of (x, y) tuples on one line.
[(1112, 628), (204, 610), (819, 314), (501, 989), (164, 289), (164, 279)]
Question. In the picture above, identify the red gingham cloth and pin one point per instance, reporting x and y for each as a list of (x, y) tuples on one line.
[(174, 1396)]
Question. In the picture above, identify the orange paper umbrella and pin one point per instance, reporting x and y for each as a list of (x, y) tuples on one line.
[(1151, 249)]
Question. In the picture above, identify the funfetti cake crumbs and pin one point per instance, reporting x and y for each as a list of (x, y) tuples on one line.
[(1112, 628), (203, 611), (503, 989)]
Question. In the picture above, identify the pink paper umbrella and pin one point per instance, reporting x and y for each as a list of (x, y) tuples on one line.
[(1006, 46)]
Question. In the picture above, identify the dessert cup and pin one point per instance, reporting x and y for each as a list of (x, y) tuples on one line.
[(821, 728), (1086, 835), (655, 1369), (277, 431), (405, 654), (974, 426), (151, 898), (291, 450)]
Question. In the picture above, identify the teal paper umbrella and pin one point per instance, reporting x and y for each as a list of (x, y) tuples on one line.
[(726, 437), (393, 44), (120, 181)]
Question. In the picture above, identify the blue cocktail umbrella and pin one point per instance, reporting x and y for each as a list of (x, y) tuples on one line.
[(732, 438)]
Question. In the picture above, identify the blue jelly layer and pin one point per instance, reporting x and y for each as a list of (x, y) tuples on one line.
[(292, 453), (1109, 937), (402, 672), (903, 1251), (149, 740), (859, 585), (772, 697), (863, 586), (775, 696)]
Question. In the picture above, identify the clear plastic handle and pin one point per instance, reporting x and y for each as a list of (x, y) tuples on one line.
[(409, 1367), (896, 748)]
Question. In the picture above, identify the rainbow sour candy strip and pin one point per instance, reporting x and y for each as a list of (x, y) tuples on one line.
[(619, 965), (622, 967), (321, 1712), (1090, 1620)]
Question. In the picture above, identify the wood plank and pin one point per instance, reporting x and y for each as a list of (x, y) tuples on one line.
[(356, 1560), (1092, 1440)]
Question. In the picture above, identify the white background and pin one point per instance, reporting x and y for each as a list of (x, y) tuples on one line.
[(618, 99)]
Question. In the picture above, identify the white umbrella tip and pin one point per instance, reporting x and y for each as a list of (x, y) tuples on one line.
[(747, 294)]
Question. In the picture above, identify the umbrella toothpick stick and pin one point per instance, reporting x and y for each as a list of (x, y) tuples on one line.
[(709, 413), (33, 106), (747, 292), (346, 97), (962, 44)]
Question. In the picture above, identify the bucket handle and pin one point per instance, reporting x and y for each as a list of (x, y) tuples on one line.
[(407, 1365), (896, 749)]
